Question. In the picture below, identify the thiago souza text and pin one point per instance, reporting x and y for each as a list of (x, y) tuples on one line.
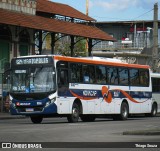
[(146, 145)]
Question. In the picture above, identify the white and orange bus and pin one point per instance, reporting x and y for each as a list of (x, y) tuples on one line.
[(43, 86), (155, 77)]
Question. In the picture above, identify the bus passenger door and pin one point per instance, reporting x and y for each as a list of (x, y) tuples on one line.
[(63, 91)]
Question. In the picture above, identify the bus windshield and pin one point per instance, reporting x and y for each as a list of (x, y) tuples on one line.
[(33, 80)]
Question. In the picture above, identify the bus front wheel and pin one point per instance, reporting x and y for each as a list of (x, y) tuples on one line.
[(74, 116), (36, 119)]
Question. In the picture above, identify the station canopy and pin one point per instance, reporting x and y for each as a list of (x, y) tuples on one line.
[(46, 6), (54, 25)]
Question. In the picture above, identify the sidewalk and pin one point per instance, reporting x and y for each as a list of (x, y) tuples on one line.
[(6, 115), (155, 131)]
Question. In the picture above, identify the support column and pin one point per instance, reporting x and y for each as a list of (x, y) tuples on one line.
[(53, 37), (33, 49), (15, 49), (72, 45), (40, 42), (155, 53), (90, 47)]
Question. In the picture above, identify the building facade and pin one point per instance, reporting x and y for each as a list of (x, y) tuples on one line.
[(134, 41)]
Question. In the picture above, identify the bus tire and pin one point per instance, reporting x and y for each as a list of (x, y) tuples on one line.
[(74, 116), (36, 119), (124, 112), (153, 111), (88, 118)]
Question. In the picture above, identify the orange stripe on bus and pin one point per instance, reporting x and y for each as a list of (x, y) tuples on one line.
[(85, 60), (108, 98)]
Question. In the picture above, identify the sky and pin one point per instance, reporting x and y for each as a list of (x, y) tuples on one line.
[(115, 10)]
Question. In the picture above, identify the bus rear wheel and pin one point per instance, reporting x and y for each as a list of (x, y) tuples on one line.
[(36, 119), (74, 116), (123, 113), (153, 111)]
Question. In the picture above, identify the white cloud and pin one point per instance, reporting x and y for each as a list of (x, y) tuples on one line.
[(120, 5)]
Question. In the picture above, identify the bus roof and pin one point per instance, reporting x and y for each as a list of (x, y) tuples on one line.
[(101, 61), (90, 60), (155, 75)]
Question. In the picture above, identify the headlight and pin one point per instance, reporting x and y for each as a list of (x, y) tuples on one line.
[(50, 101), (53, 100), (52, 97)]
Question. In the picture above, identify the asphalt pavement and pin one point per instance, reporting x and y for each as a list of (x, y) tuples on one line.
[(6, 115), (155, 131)]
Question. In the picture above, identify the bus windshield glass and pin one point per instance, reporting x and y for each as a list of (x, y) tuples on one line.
[(33, 80)]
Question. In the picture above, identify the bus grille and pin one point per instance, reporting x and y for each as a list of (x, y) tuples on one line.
[(35, 109)]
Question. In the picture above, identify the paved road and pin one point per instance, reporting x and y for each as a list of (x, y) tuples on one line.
[(59, 130)]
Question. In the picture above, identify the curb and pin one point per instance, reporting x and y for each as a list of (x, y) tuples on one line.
[(143, 132), (8, 116)]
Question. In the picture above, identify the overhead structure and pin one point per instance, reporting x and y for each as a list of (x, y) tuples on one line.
[(56, 18)]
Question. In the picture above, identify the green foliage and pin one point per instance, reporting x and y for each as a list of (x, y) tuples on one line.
[(63, 48)]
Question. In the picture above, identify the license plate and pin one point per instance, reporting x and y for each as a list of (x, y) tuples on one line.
[(29, 109)]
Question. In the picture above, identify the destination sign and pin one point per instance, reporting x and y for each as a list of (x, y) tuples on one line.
[(23, 61)]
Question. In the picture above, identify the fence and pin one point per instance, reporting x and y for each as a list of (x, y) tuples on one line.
[(120, 44)]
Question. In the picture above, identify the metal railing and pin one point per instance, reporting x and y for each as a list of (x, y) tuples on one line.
[(118, 45)]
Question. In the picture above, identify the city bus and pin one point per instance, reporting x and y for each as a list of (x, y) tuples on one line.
[(79, 87), (155, 92)]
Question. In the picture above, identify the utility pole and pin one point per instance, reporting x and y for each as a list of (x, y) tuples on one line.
[(87, 5), (155, 53)]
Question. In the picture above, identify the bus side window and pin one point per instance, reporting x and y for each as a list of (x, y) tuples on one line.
[(123, 76), (134, 77), (144, 77), (76, 73), (112, 75), (155, 84), (89, 74), (63, 77), (101, 74)]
